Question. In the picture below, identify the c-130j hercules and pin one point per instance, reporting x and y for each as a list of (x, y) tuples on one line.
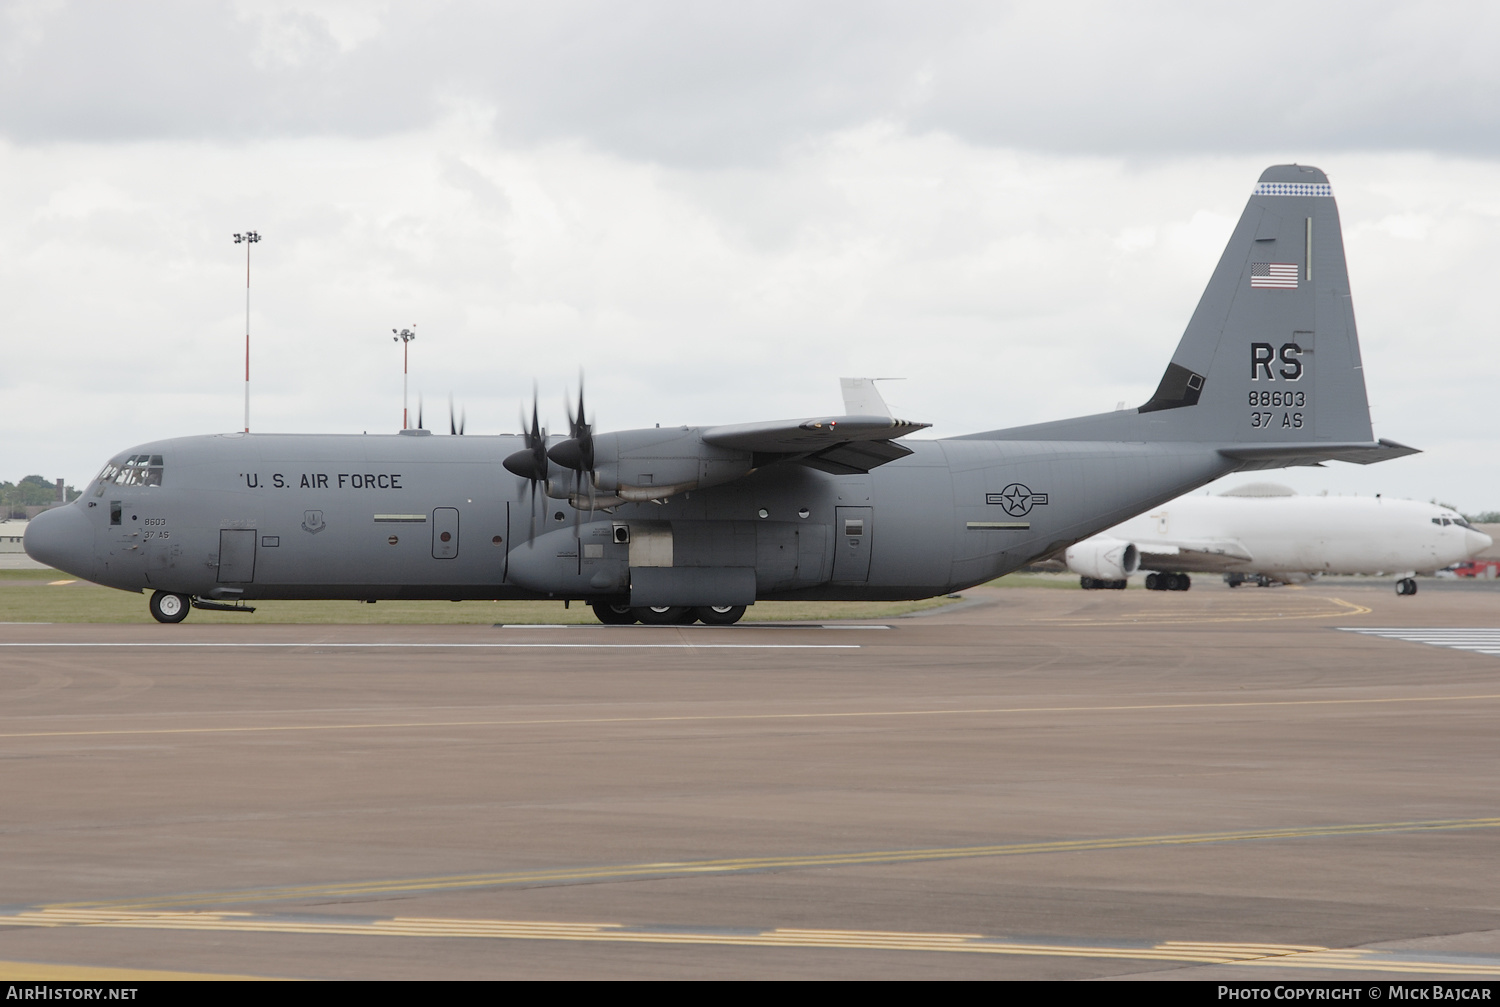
[(695, 523)]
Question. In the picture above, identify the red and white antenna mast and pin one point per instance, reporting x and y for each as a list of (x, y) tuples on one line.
[(247, 239), (405, 336)]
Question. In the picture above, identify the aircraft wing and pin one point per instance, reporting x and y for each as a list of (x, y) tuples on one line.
[(1206, 555), (838, 444)]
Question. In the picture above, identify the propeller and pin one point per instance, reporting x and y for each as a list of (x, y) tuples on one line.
[(458, 427), (577, 453), (530, 463)]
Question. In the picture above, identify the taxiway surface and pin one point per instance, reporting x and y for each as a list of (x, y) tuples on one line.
[(1047, 784)]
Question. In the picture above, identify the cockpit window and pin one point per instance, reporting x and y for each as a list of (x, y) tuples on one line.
[(1463, 523), (136, 470)]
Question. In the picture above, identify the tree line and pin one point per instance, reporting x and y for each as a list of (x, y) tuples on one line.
[(32, 491)]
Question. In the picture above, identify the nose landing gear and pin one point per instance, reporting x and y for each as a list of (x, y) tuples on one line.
[(168, 607), (1406, 585)]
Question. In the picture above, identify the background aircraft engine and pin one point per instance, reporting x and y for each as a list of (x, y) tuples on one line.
[(1104, 558), (640, 465)]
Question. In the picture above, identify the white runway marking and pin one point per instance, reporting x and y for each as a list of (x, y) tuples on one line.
[(704, 629), (467, 646), (1480, 640)]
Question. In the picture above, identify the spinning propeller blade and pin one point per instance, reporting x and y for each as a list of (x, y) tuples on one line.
[(530, 463), (577, 453)]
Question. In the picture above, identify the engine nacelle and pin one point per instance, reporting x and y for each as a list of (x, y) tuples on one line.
[(1104, 558), (651, 464)]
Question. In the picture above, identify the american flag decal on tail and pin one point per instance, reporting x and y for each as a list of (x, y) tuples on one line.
[(1275, 275)]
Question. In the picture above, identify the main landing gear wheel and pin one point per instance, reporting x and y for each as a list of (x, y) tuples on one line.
[(613, 615), (168, 607), (665, 615), (1406, 585), (719, 615), (1168, 582)]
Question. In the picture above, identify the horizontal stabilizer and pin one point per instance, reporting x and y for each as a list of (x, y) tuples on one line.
[(1262, 456)]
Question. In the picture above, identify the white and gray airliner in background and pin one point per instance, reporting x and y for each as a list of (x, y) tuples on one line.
[(1264, 533)]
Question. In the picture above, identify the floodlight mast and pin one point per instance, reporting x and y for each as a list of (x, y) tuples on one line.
[(247, 239), (404, 337)]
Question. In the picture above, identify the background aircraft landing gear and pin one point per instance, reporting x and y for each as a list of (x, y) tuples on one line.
[(613, 615), (168, 607), (1406, 585), (719, 615), (1096, 584), (665, 615)]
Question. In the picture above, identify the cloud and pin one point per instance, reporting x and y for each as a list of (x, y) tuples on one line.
[(1007, 286), (714, 211), (712, 86)]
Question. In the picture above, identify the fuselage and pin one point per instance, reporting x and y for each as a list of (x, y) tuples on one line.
[(246, 516), (1308, 534)]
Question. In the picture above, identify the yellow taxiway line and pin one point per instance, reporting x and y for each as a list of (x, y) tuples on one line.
[(744, 717), (41, 972), (1146, 618), (685, 868), (1177, 952)]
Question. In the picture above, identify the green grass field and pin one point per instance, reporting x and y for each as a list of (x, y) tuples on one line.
[(50, 596)]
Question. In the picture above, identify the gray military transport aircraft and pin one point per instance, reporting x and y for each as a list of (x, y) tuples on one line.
[(695, 523)]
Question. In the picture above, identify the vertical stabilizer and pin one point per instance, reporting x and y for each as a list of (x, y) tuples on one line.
[(862, 398), (1271, 354)]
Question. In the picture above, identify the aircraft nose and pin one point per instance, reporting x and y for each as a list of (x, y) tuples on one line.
[(62, 539), (1477, 541)]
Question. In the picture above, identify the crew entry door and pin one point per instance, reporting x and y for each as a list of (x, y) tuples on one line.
[(852, 527), (236, 555)]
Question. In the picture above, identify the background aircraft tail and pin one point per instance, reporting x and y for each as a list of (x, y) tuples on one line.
[(1269, 366)]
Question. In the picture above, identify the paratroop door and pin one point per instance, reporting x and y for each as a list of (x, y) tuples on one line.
[(445, 533)]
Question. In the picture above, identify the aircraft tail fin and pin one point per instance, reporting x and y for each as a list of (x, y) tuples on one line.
[(1269, 365), (862, 398), (1272, 353)]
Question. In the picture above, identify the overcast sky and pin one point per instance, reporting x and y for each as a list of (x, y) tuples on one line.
[(716, 210)]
